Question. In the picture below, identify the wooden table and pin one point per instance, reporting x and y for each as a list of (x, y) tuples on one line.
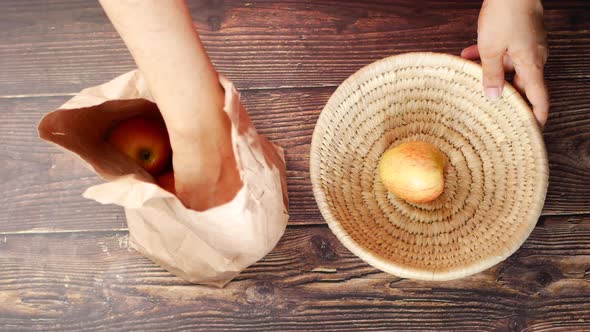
[(65, 262)]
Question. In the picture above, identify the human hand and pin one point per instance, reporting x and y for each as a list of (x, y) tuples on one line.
[(161, 38), (511, 37)]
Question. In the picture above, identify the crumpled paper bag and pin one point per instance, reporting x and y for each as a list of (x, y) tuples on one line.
[(209, 247)]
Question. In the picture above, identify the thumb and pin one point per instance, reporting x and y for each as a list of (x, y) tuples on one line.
[(493, 72)]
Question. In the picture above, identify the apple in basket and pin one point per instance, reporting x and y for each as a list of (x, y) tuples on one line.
[(413, 171), (145, 140)]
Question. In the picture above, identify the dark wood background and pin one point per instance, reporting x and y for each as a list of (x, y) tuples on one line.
[(65, 262)]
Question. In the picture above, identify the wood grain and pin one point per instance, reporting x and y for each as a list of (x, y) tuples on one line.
[(40, 186), (93, 281), (66, 265), (56, 47)]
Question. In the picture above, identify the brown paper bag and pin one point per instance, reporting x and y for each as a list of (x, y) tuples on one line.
[(209, 247)]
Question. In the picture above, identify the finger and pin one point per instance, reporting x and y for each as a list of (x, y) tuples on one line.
[(531, 75), (493, 72), (471, 53), (518, 84)]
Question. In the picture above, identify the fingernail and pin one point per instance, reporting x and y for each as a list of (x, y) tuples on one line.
[(492, 93)]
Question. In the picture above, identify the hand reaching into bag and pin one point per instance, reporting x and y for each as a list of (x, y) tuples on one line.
[(162, 40)]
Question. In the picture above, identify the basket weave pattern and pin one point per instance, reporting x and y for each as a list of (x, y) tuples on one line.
[(495, 180)]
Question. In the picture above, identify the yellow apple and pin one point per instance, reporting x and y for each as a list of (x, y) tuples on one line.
[(413, 171)]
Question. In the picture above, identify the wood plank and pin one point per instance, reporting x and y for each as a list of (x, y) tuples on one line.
[(567, 137), (56, 47), (40, 186), (310, 282), (65, 261)]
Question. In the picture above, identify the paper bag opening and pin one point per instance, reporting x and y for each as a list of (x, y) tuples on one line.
[(83, 132)]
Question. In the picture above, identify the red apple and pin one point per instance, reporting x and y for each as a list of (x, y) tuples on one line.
[(144, 140), (166, 181)]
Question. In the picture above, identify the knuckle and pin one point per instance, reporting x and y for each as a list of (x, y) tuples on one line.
[(488, 48), (529, 60), (534, 65)]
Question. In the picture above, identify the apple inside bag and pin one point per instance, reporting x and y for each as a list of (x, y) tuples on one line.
[(207, 247)]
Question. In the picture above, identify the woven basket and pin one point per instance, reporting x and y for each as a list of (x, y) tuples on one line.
[(496, 176)]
